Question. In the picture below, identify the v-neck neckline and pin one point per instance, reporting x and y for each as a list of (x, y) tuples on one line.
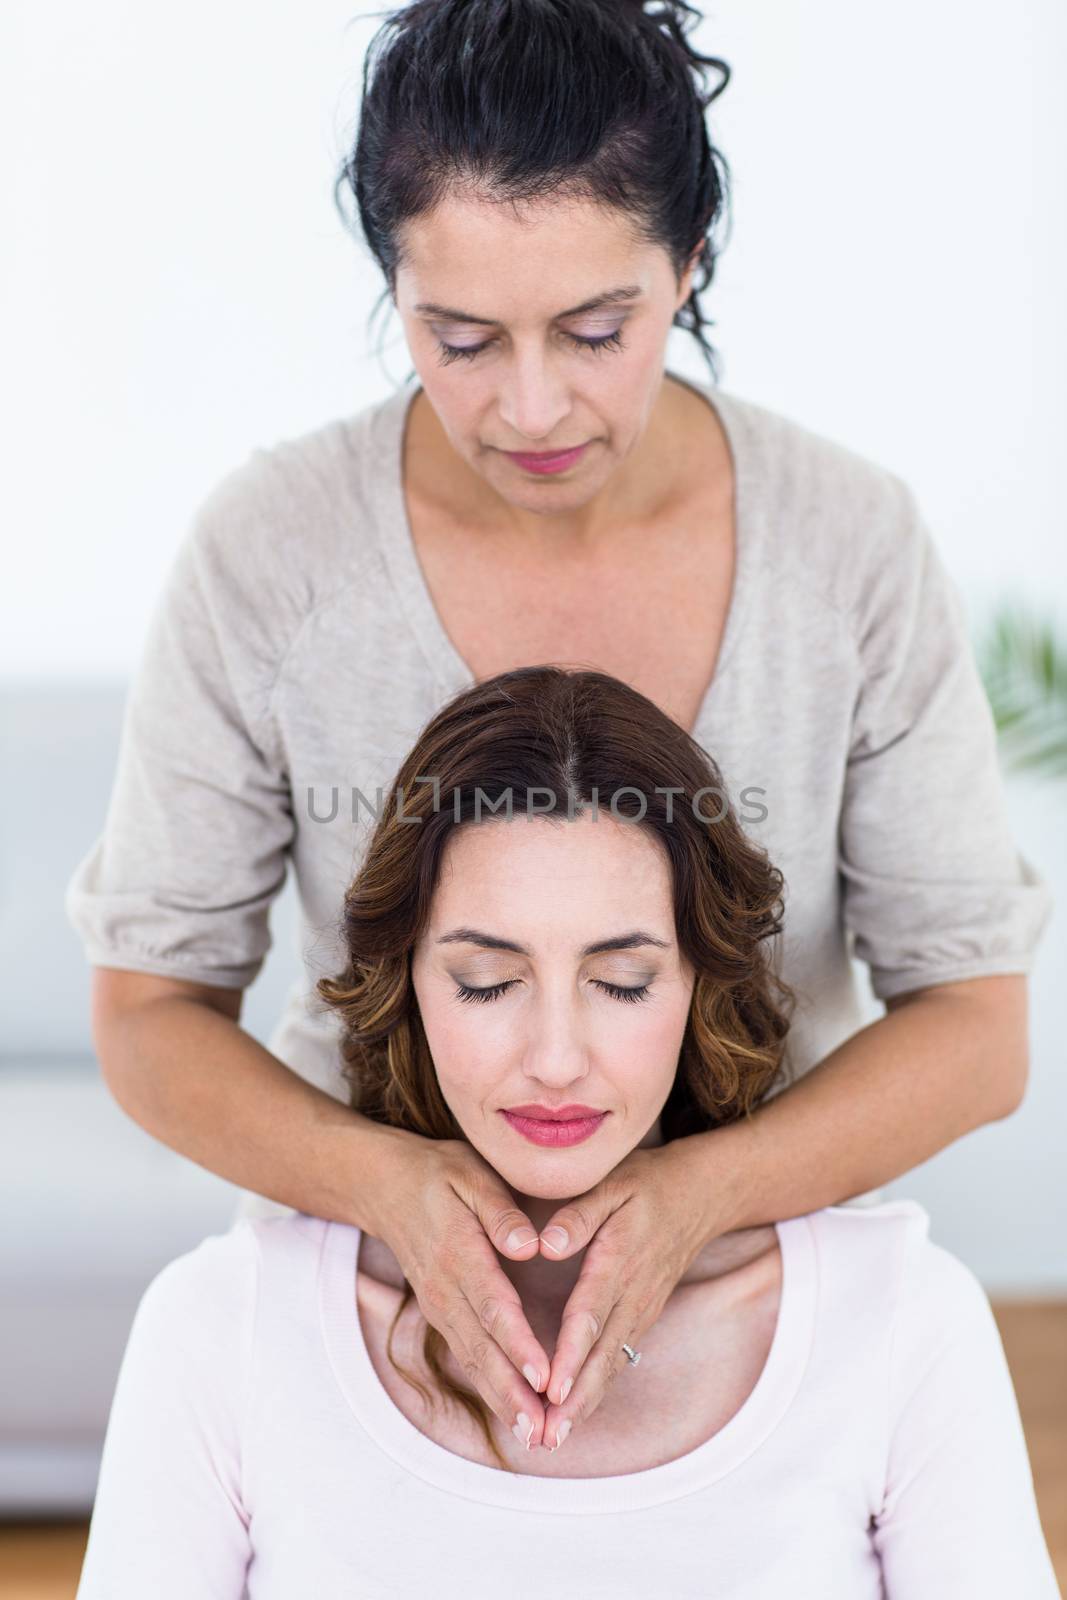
[(400, 556)]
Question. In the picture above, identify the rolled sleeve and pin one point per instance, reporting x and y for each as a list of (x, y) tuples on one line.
[(196, 839), (934, 888)]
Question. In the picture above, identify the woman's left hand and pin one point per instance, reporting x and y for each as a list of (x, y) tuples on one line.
[(642, 1227)]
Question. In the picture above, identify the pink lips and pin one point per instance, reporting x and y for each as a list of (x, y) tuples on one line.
[(554, 1133), (544, 461)]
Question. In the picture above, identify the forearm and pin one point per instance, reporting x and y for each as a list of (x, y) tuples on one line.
[(201, 1085), (883, 1102)]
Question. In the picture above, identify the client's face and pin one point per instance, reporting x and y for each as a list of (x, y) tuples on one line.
[(549, 977)]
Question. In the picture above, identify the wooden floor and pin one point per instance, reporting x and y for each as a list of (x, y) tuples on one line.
[(41, 1561), (1035, 1341)]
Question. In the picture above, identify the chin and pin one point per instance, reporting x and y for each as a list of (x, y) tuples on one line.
[(551, 1175), (557, 1193)]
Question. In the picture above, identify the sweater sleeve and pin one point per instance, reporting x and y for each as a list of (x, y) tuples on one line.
[(959, 1515), (935, 890), (169, 1518), (196, 840)]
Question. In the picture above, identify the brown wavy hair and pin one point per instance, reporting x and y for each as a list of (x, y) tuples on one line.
[(558, 741)]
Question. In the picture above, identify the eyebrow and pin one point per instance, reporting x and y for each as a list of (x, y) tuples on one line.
[(489, 941), (610, 297)]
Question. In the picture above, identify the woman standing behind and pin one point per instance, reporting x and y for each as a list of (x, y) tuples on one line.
[(536, 181)]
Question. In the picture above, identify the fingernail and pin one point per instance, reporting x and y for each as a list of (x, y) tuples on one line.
[(564, 1429), (523, 1429), (565, 1391), (520, 1236), (556, 1238), (532, 1376)]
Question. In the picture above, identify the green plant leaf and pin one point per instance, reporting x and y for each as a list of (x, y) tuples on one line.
[(1023, 663)]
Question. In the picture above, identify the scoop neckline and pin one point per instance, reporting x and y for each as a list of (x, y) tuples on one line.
[(749, 1428), (384, 486)]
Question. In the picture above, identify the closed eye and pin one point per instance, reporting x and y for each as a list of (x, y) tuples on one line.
[(456, 352), (617, 991)]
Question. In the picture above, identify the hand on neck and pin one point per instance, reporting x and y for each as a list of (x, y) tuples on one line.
[(545, 1277)]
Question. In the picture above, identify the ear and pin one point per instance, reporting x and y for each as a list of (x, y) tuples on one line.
[(685, 288)]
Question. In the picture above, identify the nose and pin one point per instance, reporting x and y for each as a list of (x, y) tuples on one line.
[(555, 1051), (534, 401)]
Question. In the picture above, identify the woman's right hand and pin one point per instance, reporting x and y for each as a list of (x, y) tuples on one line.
[(445, 1213)]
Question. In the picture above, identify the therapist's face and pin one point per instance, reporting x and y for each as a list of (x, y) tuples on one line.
[(486, 294), (518, 1012)]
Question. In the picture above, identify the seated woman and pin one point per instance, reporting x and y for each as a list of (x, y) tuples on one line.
[(560, 949)]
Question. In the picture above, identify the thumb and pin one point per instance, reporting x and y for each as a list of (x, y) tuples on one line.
[(484, 1192), (573, 1225), (509, 1229)]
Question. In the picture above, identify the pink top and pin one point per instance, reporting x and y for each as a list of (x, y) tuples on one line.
[(252, 1449)]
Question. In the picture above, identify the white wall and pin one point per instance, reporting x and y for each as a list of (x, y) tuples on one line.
[(182, 291)]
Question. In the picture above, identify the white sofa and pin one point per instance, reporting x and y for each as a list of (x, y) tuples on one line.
[(90, 1205)]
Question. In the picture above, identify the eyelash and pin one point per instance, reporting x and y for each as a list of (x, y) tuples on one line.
[(631, 996), (453, 352)]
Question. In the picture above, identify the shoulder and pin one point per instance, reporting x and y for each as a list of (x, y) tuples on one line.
[(289, 526), (806, 471), (210, 1289), (306, 474), (926, 1286), (949, 1395), (894, 1229), (208, 1298), (834, 518)]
